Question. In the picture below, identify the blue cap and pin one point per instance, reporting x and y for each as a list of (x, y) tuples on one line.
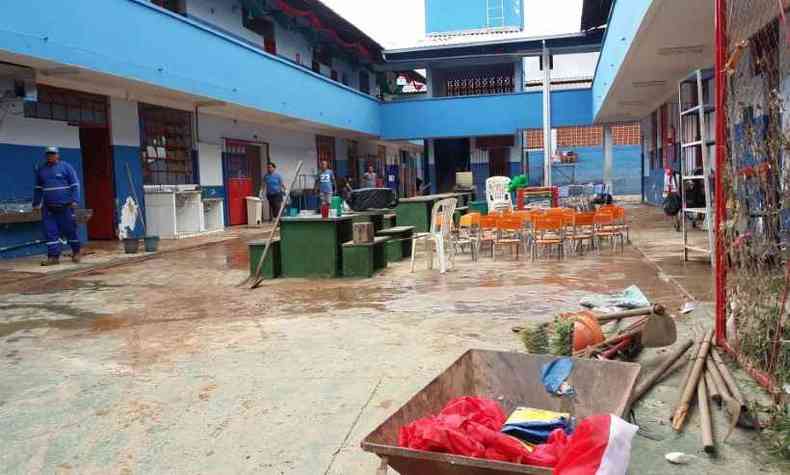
[(51, 150)]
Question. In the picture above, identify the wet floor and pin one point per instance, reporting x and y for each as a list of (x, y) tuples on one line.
[(171, 365)]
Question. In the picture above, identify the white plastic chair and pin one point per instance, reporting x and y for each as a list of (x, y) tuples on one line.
[(440, 235), (497, 194)]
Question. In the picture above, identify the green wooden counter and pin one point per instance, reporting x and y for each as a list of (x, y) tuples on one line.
[(272, 266), (312, 246), (371, 216), (399, 246), (364, 259), (416, 211)]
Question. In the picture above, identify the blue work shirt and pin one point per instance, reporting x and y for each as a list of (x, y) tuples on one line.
[(56, 184), (326, 181), (274, 183)]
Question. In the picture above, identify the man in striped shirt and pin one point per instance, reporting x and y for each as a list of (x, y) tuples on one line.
[(57, 192)]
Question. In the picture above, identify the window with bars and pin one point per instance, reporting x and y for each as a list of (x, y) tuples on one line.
[(491, 80), (325, 148), (166, 145), (77, 108)]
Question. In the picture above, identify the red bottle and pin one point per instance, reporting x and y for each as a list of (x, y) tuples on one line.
[(324, 210)]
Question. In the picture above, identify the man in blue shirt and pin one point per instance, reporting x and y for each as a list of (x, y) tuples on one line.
[(57, 192), (273, 184), (326, 183)]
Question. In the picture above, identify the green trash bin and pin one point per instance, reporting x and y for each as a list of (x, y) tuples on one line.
[(478, 207)]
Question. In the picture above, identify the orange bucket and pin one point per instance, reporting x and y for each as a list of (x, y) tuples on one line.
[(586, 329)]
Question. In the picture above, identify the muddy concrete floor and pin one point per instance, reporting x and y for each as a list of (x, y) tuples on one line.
[(169, 366)]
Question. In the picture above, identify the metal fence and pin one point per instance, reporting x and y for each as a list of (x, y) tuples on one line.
[(753, 185)]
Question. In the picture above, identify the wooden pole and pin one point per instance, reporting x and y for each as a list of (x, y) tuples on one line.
[(649, 381), (710, 383), (637, 312), (257, 279), (704, 421), (729, 380), (682, 409), (733, 400), (692, 358)]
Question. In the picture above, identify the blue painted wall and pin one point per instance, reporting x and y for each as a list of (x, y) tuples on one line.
[(626, 17), (589, 168), (471, 116), (16, 183), (124, 156), (442, 16), (183, 55)]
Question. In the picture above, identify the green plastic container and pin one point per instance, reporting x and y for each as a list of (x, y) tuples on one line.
[(337, 205), (478, 207)]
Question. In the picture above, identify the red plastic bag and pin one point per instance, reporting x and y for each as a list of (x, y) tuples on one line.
[(600, 445), (466, 426)]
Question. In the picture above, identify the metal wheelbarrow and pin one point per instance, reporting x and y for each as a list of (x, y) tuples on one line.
[(513, 380)]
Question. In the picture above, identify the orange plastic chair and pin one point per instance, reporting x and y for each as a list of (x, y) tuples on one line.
[(488, 231), (582, 230), (468, 233), (621, 222), (511, 233), (548, 232), (604, 228)]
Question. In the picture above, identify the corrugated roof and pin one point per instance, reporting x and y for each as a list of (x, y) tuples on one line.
[(471, 37)]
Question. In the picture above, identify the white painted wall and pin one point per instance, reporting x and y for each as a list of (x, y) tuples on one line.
[(226, 15), (125, 122), (286, 147), (18, 130), (566, 66), (290, 42), (210, 164)]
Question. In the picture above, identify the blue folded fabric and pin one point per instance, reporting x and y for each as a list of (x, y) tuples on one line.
[(536, 432)]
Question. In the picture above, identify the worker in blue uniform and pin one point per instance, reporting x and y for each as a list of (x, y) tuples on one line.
[(57, 192)]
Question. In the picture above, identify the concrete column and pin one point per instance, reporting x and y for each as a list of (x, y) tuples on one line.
[(608, 157), (429, 79), (518, 76), (432, 176), (547, 146), (516, 162)]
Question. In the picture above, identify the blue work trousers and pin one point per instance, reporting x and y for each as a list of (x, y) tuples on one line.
[(59, 221)]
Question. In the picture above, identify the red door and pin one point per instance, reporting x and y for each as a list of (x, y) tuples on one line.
[(98, 181), (238, 190)]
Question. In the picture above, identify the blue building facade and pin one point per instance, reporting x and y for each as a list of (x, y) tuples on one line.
[(219, 88)]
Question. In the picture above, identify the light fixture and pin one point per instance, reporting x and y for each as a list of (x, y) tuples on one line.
[(678, 50), (643, 84)]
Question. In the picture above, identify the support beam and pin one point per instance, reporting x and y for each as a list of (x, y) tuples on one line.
[(608, 158), (547, 145)]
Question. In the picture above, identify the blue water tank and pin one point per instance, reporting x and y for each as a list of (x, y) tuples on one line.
[(449, 16)]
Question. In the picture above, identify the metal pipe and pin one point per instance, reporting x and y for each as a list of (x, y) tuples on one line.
[(547, 145), (721, 145), (608, 158)]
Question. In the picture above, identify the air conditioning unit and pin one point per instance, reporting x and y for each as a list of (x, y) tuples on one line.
[(17, 86)]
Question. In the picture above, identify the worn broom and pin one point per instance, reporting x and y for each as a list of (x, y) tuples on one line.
[(257, 279)]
